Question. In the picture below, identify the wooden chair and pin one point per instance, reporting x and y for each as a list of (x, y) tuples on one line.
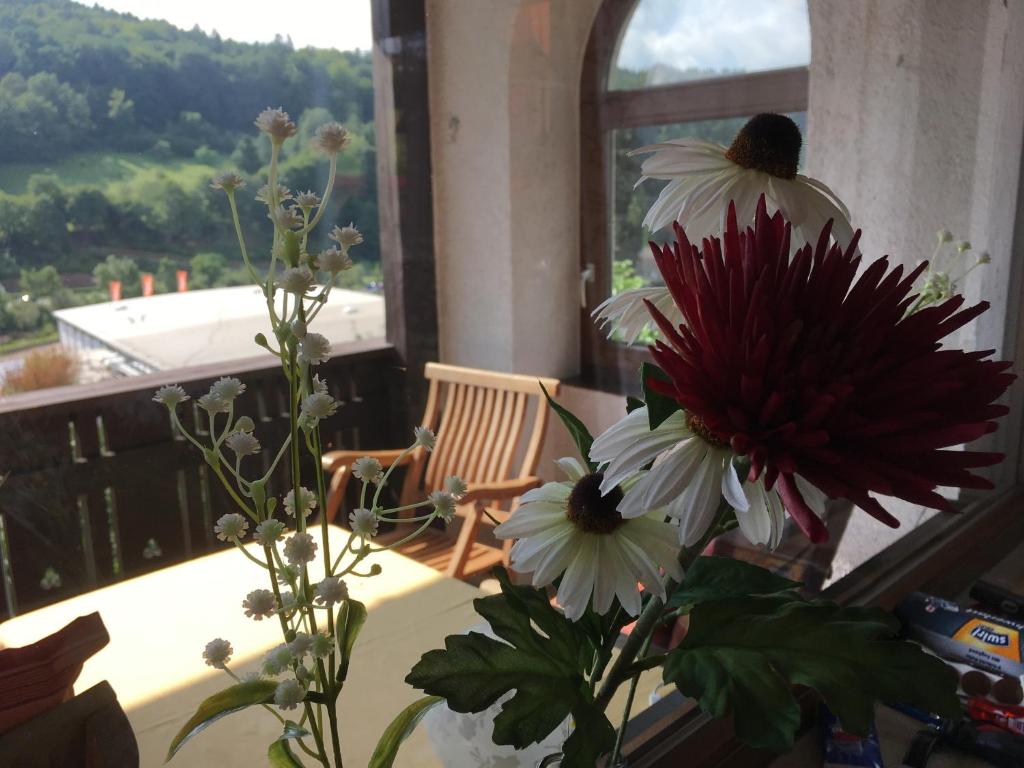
[(480, 419)]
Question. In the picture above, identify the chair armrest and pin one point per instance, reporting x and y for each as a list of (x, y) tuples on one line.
[(500, 490), (333, 460)]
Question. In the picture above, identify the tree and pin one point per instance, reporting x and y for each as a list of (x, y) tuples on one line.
[(208, 269), (118, 268), (246, 156), (166, 275), (42, 283)]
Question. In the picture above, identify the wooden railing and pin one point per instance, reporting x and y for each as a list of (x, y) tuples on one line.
[(99, 488)]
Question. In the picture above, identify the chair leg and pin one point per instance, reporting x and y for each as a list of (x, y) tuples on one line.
[(464, 544)]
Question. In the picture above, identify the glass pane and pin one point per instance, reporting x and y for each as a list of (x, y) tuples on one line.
[(673, 41), (116, 258), (632, 263)]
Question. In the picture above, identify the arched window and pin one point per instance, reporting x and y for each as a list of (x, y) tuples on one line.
[(656, 70)]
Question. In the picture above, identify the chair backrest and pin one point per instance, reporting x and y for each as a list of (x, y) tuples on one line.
[(480, 418)]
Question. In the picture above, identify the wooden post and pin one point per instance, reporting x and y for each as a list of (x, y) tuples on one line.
[(402, 131)]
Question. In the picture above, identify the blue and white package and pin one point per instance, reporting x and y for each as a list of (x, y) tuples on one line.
[(844, 750)]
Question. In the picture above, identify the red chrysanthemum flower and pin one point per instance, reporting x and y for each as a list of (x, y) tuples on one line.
[(807, 369)]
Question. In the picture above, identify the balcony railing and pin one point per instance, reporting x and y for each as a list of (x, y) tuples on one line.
[(99, 488)]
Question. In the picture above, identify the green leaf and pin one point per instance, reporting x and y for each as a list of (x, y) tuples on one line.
[(280, 755), (351, 617), (715, 578), (632, 403), (398, 731), (743, 655), (577, 430), (659, 406), (545, 668), (220, 704)]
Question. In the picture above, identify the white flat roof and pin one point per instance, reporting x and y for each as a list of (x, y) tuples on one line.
[(174, 330)]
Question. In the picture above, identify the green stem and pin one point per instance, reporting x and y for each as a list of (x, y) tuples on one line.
[(634, 681), (651, 617)]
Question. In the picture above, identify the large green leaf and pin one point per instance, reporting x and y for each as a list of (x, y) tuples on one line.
[(280, 755), (577, 429), (743, 654), (220, 704), (715, 578), (545, 668), (659, 406), (398, 731), (351, 617)]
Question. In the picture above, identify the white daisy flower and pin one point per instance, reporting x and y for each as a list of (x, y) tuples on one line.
[(289, 694), (363, 522), (217, 653), (243, 443), (322, 645), (368, 469), (259, 604), (627, 313), (572, 528), (301, 645), (307, 500), (334, 260), (692, 471), (212, 403), (346, 237), (277, 660), (314, 348), (300, 548), (425, 437), (331, 590), (231, 526), (319, 385), (227, 388), (297, 280), (170, 395), (454, 485), (268, 532), (444, 504), (704, 177), (319, 406)]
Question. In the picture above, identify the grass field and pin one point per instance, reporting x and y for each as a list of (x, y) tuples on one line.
[(109, 171)]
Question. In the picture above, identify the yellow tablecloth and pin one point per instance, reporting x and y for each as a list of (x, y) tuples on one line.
[(160, 622)]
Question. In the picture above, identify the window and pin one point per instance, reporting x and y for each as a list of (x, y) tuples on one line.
[(650, 75)]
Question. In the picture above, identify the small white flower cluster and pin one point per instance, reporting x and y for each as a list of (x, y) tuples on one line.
[(231, 526), (170, 395), (368, 469), (260, 604), (300, 548), (425, 438), (444, 505), (218, 653), (330, 591), (316, 406), (268, 531), (307, 501), (363, 522)]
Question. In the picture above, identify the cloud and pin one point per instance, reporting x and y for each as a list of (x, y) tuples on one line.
[(747, 35)]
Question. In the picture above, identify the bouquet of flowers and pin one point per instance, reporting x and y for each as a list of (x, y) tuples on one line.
[(788, 369)]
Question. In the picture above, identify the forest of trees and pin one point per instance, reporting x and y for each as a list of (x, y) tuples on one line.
[(86, 84)]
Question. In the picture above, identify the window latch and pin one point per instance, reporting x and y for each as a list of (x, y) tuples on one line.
[(586, 276)]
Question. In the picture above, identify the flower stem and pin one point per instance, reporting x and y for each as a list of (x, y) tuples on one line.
[(651, 617), (621, 735)]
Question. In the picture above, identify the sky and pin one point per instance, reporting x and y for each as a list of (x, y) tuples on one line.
[(341, 24), (725, 34)]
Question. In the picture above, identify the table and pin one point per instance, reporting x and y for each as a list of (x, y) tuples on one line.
[(160, 622)]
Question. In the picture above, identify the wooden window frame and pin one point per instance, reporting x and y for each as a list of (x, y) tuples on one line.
[(605, 364)]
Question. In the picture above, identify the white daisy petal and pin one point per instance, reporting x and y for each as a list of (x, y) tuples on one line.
[(530, 520), (572, 467), (630, 444), (697, 506), (578, 581), (732, 488)]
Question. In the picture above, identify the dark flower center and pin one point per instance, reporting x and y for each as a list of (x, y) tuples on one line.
[(589, 510), (696, 425), (769, 143)]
